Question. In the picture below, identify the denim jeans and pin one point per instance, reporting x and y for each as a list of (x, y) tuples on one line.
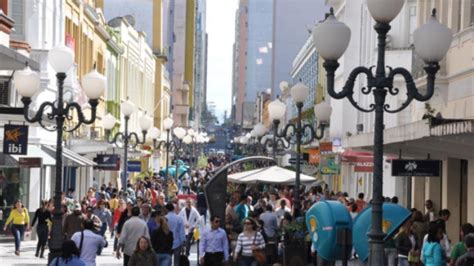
[(18, 231), (164, 259), (403, 261), (247, 261)]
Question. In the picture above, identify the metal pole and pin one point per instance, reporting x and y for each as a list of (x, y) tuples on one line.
[(376, 234), (298, 151), (125, 155), (276, 122), (167, 162), (57, 237)]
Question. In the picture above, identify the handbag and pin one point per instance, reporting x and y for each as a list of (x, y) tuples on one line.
[(413, 257), (259, 254), (183, 259)]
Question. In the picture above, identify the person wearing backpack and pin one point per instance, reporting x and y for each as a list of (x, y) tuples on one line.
[(468, 258), (88, 243)]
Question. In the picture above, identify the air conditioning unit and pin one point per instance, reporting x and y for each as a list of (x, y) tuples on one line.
[(360, 128), (95, 134)]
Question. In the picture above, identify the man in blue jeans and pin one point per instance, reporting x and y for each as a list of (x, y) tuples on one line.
[(176, 225)]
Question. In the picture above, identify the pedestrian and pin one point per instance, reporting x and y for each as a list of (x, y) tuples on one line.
[(20, 220), (73, 222), (143, 254), (270, 222), (361, 203), (145, 212), (468, 258), (105, 217), (248, 241), (42, 215), (214, 245), (242, 209), (162, 242), (191, 217), (432, 253), (280, 212), (88, 242), (430, 214), (460, 248), (176, 226), (95, 219), (132, 230), (69, 255), (407, 246)]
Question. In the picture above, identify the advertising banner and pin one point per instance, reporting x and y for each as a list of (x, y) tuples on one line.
[(15, 139)]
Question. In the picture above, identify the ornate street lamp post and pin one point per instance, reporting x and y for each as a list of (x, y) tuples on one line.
[(129, 140), (27, 84), (431, 42), (304, 134), (169, 145)]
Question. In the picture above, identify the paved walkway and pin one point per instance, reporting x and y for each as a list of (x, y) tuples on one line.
[(28, 249)]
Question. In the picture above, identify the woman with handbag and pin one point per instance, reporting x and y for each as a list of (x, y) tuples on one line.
[(20, 220), (407, 245), (250, 249)]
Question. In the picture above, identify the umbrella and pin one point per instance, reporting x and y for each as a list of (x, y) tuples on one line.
[(272, 174)]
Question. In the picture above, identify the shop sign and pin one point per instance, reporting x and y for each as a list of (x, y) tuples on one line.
[(30, 162), (329, 165), (134, 166), (325, 147), (364, 164), (15, 139), (313, 156), (107, 162), (416, 167)]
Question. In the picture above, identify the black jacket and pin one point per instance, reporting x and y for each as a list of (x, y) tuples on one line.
[(162, 243), (404, 244)]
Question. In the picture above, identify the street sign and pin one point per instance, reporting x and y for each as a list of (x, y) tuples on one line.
[(15, 139), (30, 162), (134, 166), (303, 160), (416, 168), (108, 162)]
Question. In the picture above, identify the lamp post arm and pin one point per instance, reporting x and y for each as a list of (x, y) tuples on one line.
[(38, 117), (110, 139)]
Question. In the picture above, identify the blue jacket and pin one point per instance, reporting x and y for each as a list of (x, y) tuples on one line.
[(433, 254), (73, 261)]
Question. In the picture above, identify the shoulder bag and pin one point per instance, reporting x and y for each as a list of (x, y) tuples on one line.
[(259, 254)]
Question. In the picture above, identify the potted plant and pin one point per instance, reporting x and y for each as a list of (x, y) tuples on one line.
[(295, 236)]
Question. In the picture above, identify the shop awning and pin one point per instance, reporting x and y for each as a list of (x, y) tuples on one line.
[(450, 138), (71, 157), (13, 60), (36, 152)]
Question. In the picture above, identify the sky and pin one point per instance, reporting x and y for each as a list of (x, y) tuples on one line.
[(220, 26)]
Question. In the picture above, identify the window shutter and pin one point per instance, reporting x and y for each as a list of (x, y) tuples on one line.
[(4, 92), (18, 15)]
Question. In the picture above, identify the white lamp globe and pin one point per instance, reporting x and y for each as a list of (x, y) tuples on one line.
[(191, 132), (276, 110), (94, 84), (154, 133), (179, 132), (260, 129), (61, 58), (128, 108), (253, 134), (108, 121), (299, 92), (27, 82), (331, 38), (384, 11), (236, 139), (244, 140), (168, 123), (187, 139), (432, 40), (283, 86), (322, 112), (145, 122)]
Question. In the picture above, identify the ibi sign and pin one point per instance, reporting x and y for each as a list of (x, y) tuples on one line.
[(15, 139)]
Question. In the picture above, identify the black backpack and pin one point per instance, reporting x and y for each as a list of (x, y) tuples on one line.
[(468, 261)]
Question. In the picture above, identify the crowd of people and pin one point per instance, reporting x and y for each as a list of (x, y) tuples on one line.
[(154, 221)]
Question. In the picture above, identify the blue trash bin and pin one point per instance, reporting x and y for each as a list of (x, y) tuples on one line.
[(394, 216), (325, 221)]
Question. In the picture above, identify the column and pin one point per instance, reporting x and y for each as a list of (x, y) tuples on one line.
[(470, 189), (418, 193), (451, 195)]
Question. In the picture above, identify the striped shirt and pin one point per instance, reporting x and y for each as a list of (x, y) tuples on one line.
[(245, 243)]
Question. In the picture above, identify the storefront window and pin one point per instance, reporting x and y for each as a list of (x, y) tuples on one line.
[(13, 186)]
